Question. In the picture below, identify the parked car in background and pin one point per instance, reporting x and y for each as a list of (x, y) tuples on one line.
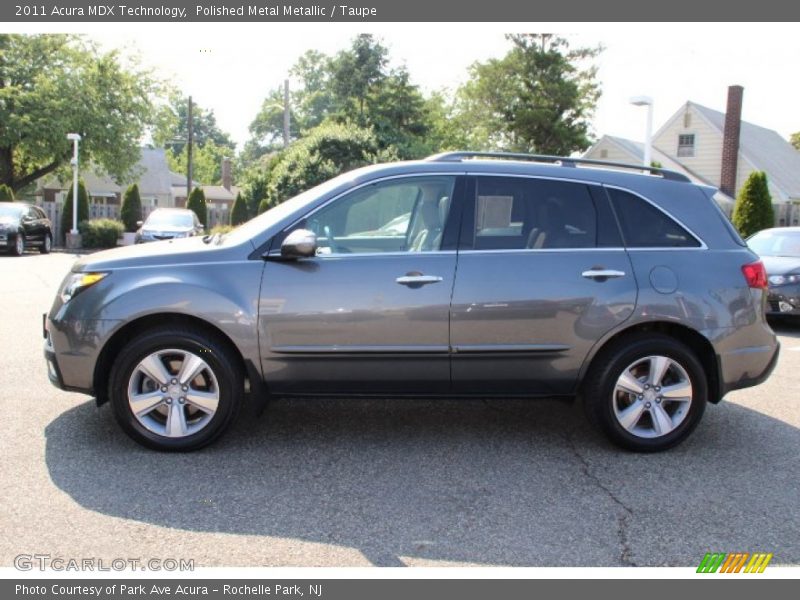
[(168, 224), (24, 226), (779, 248), (463, 275)]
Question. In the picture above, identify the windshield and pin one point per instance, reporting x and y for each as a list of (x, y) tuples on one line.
[(776, 243), (276, 214), (7, 209), (163, 218)]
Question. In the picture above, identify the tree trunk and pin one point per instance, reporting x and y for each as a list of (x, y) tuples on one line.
[(6, 167)]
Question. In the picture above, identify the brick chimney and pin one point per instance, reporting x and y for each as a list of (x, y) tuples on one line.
[(226, 173), (730, 141)]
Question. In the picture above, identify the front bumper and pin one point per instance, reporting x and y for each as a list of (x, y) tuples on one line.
[(784, 300)]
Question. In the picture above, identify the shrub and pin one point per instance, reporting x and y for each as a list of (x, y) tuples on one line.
[(753, 210), (220, 229), (6, 193), (131, 212), (100, 233), (197, 203), (239, 212), (66, 209), (324, 152)]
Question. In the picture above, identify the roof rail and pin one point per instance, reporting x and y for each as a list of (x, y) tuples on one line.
[(564, 161)]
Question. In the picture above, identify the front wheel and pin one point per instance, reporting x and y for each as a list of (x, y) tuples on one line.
[(19, 244), (647, 393), (175, 389), (47, 244)]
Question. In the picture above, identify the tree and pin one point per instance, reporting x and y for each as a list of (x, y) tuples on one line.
[(794, 139), (323, 153), (239, 212), (538, 98), (66, 208), (6, 193), (131, 211), (172, 126), (51, 85), (206, 162), (197, 203), (355, 73), (753, 210)]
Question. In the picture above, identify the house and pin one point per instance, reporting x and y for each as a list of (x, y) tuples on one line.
[(219, 198), (721, 150)]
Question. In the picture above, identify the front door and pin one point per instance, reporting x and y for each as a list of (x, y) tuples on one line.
[(542, 276), (370, 312)]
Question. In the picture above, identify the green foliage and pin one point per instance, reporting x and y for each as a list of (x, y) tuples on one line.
[(131, 211), (656, 164), (206, 162), (220, 229), (197, 203), (753, 210), (6, 193), (100, 233), (538, 98), (66, 208), (52, 84), (239, 213), (172, 127), (263, 206), (321, 154), (794, 139)]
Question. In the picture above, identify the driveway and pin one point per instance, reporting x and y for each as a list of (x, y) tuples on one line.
[(386, 483)]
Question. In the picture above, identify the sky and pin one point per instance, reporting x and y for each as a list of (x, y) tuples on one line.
[(230, 67)]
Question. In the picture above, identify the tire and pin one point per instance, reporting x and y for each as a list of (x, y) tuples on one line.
[(179, 413), (19, 244), (47, 244), (627, 400)]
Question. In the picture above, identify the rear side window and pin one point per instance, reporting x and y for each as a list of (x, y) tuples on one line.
[(521, 213), (644, 226)]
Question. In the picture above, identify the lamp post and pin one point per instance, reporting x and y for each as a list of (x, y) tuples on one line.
[(648, 143), (75, 139)]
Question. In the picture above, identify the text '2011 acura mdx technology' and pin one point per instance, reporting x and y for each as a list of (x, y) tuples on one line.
[(466, 274)]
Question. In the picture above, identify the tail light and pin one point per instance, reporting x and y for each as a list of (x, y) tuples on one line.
[(755, 274)]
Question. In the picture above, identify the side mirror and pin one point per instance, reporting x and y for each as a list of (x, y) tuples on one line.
[(301, 243), (139, 223)]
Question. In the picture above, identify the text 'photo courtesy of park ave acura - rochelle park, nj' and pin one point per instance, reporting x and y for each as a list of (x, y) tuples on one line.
[(313, 295)]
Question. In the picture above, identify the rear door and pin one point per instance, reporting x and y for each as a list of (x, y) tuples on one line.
[(542, 275)]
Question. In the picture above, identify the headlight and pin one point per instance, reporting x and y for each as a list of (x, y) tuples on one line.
[(77, 282), (784, 279)]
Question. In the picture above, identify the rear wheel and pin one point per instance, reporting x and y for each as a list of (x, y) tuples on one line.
[(47, 244), (175, 389), (646, 393)]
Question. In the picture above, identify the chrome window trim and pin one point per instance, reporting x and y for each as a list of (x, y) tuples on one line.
[(541, 250), (277, 253)]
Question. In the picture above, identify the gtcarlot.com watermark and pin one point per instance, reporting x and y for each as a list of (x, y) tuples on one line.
[(45, 562)]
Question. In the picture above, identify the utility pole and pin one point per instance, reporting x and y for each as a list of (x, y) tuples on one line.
[(189, 140), (286, 113)]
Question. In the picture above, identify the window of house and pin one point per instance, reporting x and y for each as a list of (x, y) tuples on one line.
[(520, 213), (686, 144), (645, 226)]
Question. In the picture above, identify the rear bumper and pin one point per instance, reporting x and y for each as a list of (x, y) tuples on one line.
[(784, 300), (747, 367)]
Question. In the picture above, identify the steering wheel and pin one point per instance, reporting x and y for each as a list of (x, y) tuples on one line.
[(331, 242)]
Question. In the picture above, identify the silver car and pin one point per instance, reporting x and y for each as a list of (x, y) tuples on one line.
[(168, 224), (511, 275)]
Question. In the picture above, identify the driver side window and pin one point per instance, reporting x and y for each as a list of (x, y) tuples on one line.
[(399, 215)]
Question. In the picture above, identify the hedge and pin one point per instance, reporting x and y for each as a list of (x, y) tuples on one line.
[(100, 233)]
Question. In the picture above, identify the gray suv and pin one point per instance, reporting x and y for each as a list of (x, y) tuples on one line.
[(466, 274)]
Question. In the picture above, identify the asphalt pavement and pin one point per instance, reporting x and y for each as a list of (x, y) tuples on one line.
[(385, 483)]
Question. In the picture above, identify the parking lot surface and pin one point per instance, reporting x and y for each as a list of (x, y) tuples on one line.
[(385, 483)]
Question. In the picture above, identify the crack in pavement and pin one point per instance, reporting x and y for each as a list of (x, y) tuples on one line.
[(622, 519)]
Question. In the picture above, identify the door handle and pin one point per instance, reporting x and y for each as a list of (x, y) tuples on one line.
[(418, 279), (602, 274)]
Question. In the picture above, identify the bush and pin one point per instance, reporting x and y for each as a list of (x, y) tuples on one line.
[(197, 203), (6, 193), (131, 212), (220, 229), (239, 212), (753, 210), (324, 152), (100, 233), (66, 209)]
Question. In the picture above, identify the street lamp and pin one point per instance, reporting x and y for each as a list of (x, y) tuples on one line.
[(648, 143), (74, 138)]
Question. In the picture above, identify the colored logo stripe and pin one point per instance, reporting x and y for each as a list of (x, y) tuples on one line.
[(733, 562)]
